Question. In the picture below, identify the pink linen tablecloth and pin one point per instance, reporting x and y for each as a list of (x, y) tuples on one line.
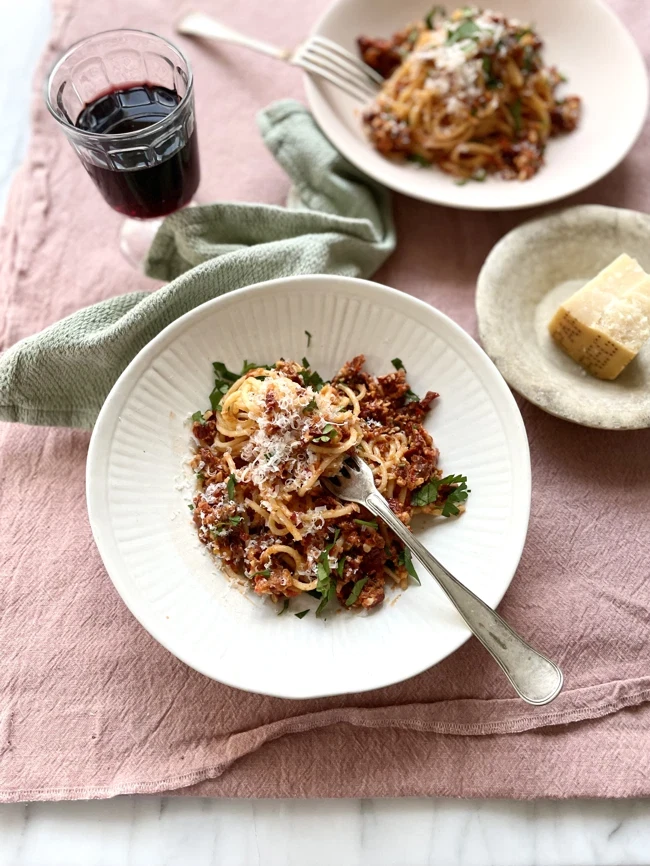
[(92, 706)]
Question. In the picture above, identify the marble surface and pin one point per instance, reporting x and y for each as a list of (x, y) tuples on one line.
[(150, 831)]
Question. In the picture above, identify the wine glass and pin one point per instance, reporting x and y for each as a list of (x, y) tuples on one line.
[(125, 101)]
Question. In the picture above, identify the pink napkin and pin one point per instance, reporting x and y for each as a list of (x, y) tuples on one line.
[(92, 706)]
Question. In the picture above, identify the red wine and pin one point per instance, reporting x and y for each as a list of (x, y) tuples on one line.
[(137, 188)]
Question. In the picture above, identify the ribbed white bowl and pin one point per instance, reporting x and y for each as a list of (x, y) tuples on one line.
[(137, 489)]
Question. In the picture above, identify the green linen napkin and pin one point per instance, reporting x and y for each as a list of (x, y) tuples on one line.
[(338, 222)]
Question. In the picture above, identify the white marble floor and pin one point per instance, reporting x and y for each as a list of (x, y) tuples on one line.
[(152, 831)]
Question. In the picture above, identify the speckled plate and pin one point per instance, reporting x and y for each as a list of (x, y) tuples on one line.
[(523, 281)]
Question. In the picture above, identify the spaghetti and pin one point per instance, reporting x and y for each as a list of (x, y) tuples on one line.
[(260, 452), (468, 93)]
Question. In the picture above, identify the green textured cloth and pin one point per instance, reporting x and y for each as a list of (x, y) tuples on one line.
[(338, 222)]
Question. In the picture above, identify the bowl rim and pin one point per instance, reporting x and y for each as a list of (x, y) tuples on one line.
[(319, 107), (101, 440)]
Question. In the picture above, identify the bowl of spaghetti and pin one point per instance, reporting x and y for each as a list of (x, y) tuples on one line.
[(205, 496), (482, 108)]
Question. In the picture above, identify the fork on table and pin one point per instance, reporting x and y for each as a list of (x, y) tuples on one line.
[(317, 55)]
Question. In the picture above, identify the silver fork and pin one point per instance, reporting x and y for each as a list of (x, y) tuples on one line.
[(535, 678), (318, 55)]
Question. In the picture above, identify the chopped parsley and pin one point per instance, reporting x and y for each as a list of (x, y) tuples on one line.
[(410, 396), (325, 586), (328, 433), (419, 159), (310, 406), (302, 613), (515, 113), (285, 605), (265, 573), (356, 592), (190, 505), (406, 560), (198, 418), (436, 12), (428, 493), (467, 30), (308, 338), (224, 379), (311, 377), (231, 486), (340, 565), (200, 476), (371, 524), (235, 520), (491, 80)]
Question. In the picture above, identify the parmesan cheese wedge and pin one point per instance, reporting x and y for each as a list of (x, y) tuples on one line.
[(604, 324)]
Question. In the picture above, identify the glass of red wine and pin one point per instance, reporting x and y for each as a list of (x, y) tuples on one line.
[(125, 100)]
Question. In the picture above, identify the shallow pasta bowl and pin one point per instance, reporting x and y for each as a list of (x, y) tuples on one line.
[(138, 492), (583, 38)]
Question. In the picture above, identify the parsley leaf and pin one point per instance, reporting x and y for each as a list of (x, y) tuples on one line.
[(356, 592), (302, 613), (231, 486), (200, 476), (311, 377), (371, 524), (328, 433), (411, 397), (323, 574), (284, 606), (515, 112), (309, 407), (265, 573), (457, 496), (190, 505), (397, 363), (436, 12), (417, 157), (308, 338), (428, 493), (235, 520), (222, 372), (224, 378), (491, 80), (406, 560), (326, 586), (198, 418), (467, 30)]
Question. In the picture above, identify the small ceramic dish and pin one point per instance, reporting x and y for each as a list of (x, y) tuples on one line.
[(523, 281)]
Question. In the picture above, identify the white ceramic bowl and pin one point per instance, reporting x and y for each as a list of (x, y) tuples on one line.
[(137, 502), (587, 42)]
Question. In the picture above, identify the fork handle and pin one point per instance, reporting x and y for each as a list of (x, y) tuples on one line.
[(535, 678), (198, 24)]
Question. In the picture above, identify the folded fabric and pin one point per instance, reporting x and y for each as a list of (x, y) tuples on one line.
[(338, 222)]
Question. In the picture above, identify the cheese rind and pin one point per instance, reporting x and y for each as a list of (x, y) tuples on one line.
[(604, 324)]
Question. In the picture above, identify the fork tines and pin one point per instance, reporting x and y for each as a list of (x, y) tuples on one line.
[(338, 66)]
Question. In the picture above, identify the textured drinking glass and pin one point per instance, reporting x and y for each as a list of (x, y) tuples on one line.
[(125, 101)]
